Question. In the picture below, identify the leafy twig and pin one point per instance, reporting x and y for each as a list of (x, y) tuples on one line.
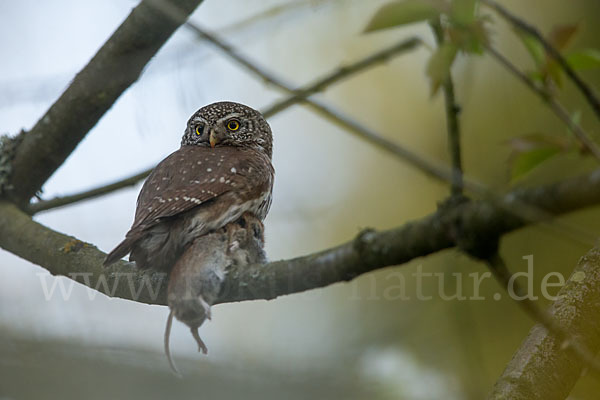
[(583, 138), (554, 53)]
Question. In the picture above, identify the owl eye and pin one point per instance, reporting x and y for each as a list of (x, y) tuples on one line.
[(233, 125), (199, 129)]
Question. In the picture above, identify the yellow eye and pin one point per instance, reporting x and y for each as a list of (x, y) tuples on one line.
[(199, 129), (233, 125)]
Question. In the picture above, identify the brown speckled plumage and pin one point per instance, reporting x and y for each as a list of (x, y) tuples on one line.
[(198, 188)]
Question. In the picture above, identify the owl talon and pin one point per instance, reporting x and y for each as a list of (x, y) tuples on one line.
[(201, 346), (205, 306)]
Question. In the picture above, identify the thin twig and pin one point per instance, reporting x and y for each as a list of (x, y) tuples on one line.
[(62, 201), (344, 72), (503, 275), (583, 138), (452, 122), (554, 53), (301, 95)]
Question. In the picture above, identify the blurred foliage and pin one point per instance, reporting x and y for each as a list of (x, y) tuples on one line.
[(465, 30)]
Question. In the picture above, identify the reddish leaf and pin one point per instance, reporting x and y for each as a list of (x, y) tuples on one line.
[(561, 36)]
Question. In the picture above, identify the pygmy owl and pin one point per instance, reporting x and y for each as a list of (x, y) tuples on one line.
[(222, 170)]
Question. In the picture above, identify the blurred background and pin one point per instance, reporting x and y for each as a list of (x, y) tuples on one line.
[(367, 338)]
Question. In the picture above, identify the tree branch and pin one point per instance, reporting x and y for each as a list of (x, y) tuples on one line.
[(541, 368), (342, 73), (300, 95), (442, 173), (539, 315), (583, 138), (586, 90), (63, 201), (371, 250), (452, 123), (117, 64)]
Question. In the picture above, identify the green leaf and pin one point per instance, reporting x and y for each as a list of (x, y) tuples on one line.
[(531, 150), (584, 59), (463, 12), (534, 47), (553, 71), (404, 12), (470, 39), (524, 162), (438, 67)]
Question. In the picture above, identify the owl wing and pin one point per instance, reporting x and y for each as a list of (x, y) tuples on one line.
[(195, 176)]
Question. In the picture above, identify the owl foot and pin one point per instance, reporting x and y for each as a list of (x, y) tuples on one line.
[(205, 306), (201, 345)]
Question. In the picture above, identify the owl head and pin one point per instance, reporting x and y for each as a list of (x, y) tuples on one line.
[(228, 124)]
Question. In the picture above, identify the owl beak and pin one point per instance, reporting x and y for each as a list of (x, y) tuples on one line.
[(212, 139)]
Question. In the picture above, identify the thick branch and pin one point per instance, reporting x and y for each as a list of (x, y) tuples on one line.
[(109, 73), (542, 368), (64, 255), (541, 316)]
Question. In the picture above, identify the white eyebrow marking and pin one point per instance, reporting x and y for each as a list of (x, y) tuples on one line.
[(199, 119), (232, 115)]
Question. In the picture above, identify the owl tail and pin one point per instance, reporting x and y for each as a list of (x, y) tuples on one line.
[(119, 252)]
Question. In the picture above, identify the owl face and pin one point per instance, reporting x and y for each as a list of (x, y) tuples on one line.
[(228, 124)]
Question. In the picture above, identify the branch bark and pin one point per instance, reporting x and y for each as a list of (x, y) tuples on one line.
[(117, 65), (462, 224), (542, 368)]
